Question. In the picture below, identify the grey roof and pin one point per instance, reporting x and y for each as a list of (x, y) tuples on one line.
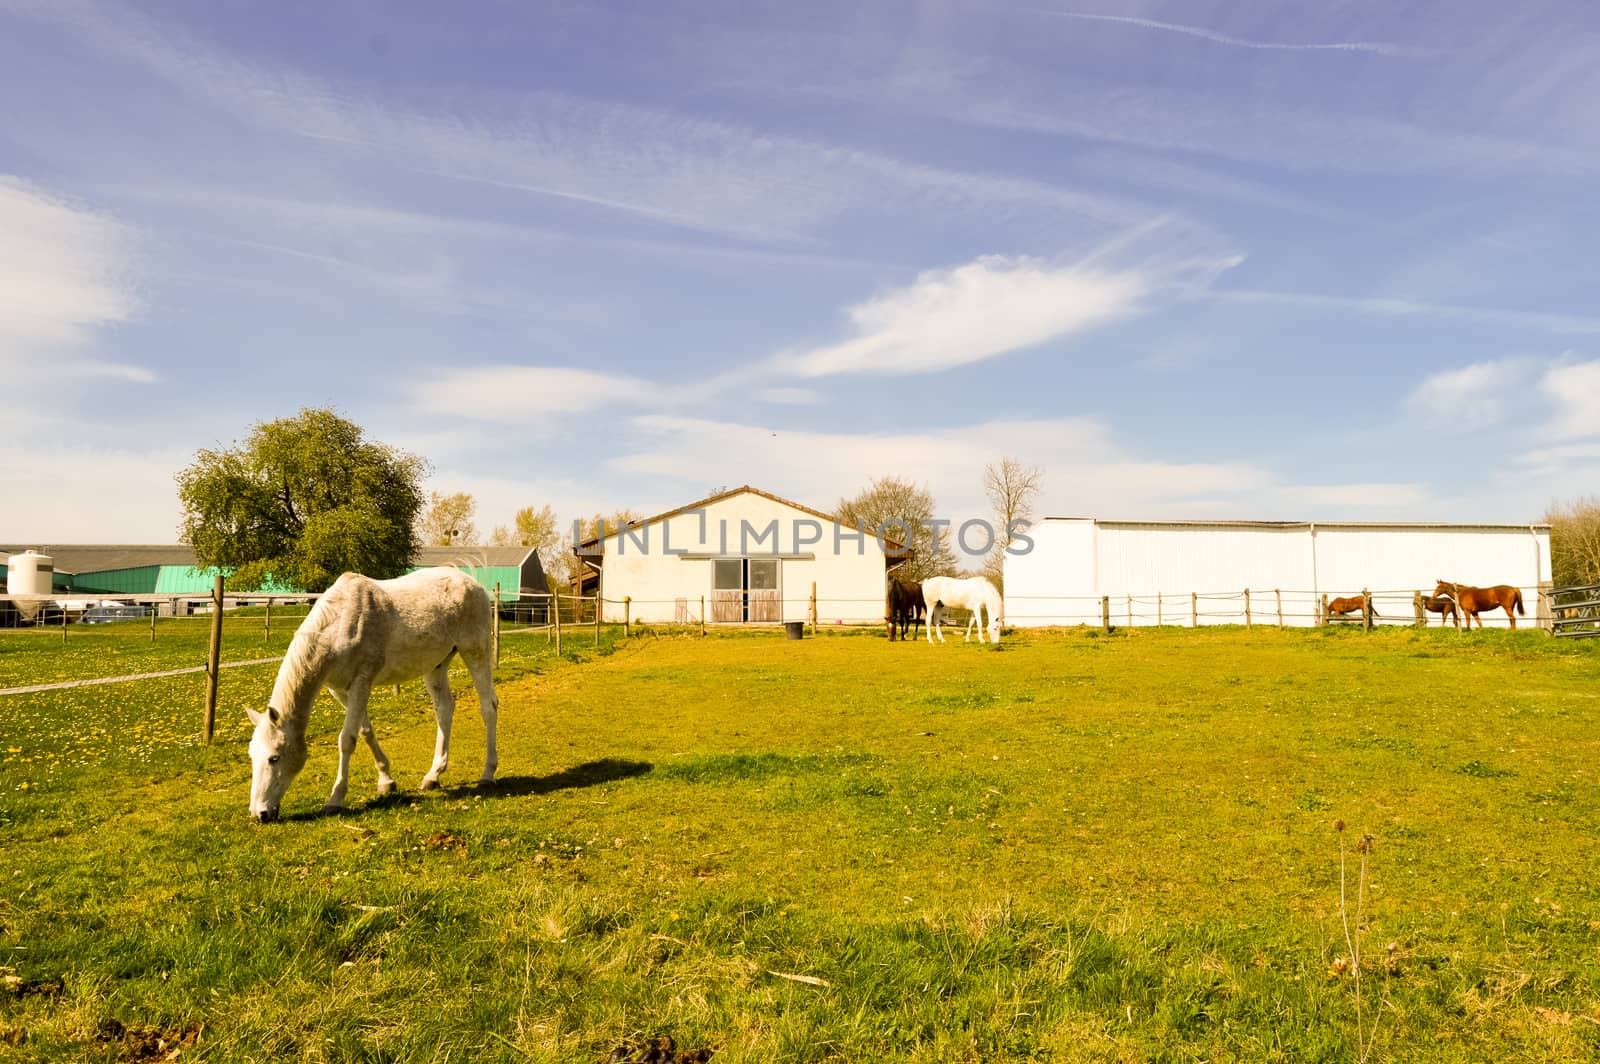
[(513, 556), (103, 557)]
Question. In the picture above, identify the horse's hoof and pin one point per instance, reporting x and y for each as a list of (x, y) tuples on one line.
[(430, 784), (333, 807), (387, 788)]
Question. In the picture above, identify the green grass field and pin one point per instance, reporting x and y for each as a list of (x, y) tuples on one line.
[(1078, 847)]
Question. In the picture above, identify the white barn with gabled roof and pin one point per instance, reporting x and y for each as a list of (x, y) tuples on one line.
[(1197, 572), (742, 556)]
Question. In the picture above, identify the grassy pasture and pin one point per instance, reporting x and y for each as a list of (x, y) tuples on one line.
[(1077, 847)]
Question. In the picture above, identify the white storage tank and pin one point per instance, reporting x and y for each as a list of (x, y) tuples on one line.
[(29, 573)]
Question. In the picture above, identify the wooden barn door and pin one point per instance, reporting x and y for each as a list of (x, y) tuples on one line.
[(762, 584), (727, 591), (745, 590)]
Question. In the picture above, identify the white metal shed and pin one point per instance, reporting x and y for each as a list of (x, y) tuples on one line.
[(1198, 572)]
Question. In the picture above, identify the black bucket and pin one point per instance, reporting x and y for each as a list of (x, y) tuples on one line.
[(795, 629)]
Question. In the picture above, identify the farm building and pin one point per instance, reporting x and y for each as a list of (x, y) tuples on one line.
[(100, 569), (740, 557), (1213, 572)]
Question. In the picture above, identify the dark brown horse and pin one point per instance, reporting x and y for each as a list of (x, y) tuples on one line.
[(905, 607), (1340, 606), (1444, 604), (1472, 600)]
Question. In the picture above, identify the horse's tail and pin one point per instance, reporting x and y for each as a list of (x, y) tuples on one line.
[(1516, 597)]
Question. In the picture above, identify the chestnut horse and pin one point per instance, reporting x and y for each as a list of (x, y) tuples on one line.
[(1340, 606), (905, 608), (1472, 600), (1444, 605)]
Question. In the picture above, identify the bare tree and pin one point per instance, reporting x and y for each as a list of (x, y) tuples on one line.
[(1011, 487), (893, 506), (1575, 541), (564, 565), (447, 522)]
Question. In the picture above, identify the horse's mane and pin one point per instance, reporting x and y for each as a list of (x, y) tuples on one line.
[(300, 661)]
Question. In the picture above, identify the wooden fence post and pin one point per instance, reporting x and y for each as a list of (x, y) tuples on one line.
[(1247, 607), (813, 607), (1130, 611), (1158, 609), (597, 617), (1278, 593), (555, 600), (1366, 610), (702, 615), (627, 614), (154, 609), (63, 622), (1194, 609), (497, 622), (1105, 613), (1322, 614), (212, 660), (266, 625)]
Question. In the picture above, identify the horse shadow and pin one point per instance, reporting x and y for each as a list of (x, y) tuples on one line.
[(588, 774)]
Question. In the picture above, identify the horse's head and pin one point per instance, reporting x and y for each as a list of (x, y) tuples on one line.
[(276, 756)]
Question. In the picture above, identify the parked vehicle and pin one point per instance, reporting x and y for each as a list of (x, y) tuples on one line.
[(108, 614)]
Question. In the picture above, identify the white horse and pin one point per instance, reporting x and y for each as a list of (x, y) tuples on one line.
[(364, 633), (939, 593)]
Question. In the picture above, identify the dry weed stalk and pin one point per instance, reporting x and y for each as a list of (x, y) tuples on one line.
[(1366, 1040)]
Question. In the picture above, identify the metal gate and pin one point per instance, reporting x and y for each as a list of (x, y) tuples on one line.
[(1575, 611)]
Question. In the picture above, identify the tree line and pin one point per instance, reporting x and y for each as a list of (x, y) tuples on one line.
[(302, 499)]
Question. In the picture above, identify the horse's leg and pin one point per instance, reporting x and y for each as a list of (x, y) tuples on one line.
[(1512, 616), (444, 712), (354, 701), (482, 670)]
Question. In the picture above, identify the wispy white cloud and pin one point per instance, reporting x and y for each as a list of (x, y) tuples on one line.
[(1374, 47), (1570, 324), (970, 313), (64, 275), (64, 494), (651, 165), (1469, 397), (525, 395), (1087, 470), (1573, 389)]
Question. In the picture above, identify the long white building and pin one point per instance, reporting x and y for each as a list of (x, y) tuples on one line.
[(1198, 572)]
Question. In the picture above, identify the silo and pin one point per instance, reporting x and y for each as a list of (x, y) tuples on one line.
[(29, 573)]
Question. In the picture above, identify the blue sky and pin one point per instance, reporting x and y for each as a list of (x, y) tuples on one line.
[(1283, 261)]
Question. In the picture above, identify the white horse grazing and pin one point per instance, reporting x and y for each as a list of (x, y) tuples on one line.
[(940, 593), (362, 633)]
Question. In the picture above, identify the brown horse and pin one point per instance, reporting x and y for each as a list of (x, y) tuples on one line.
[(905, 607), (1444, 604), (1340, 606), (1472, 600)]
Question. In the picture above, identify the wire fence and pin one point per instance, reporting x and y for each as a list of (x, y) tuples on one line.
[(1278, 607)]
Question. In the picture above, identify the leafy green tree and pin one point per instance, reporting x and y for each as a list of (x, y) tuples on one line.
[(301, 501)]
